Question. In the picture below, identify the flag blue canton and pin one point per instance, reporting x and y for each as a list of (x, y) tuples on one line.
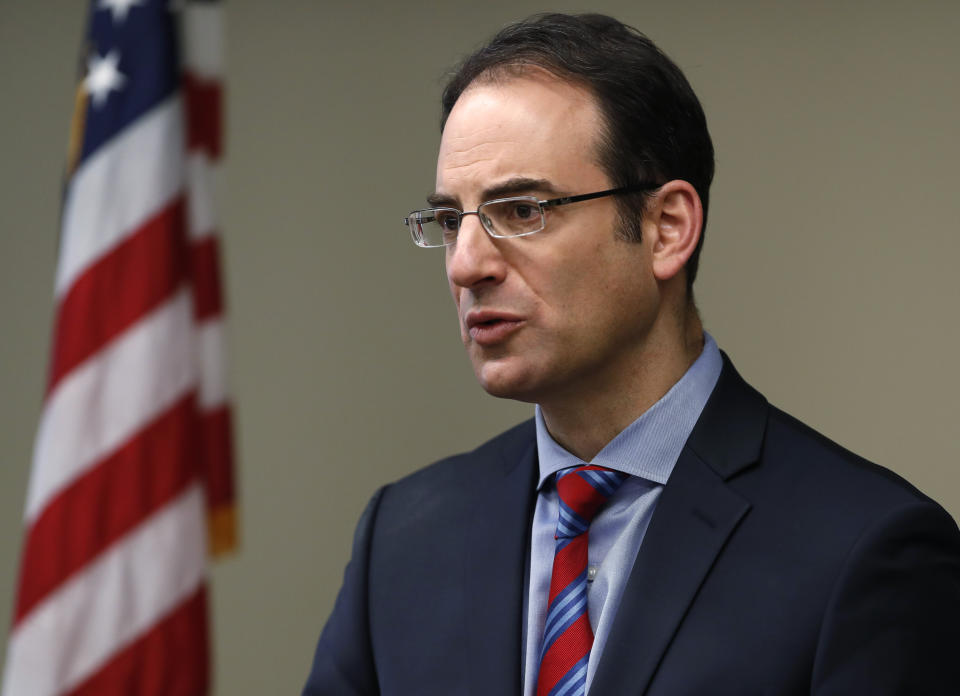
[(145, 40)]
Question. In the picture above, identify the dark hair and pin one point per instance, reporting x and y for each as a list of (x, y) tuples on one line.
[(655, 129)]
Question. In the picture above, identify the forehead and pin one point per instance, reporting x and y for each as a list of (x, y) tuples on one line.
[(534, 126)]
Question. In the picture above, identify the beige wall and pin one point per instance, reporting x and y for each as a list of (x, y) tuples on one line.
[(828, 273)]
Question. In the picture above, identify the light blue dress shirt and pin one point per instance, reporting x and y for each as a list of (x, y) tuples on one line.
[(647, 449)]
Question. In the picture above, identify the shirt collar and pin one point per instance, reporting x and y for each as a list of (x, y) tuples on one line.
[(650, 446)]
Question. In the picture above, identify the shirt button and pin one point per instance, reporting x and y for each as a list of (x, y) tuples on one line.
[(591, 573)]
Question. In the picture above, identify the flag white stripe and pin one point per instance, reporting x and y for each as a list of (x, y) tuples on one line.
[(115, 599), (212, 350), (203, 39), (121, 186), (201, 182), (110, 397)]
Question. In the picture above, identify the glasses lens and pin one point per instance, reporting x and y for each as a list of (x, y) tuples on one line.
[(435, 227), (512, 217)]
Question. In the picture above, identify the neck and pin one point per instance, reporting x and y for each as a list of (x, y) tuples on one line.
[(585, 421)]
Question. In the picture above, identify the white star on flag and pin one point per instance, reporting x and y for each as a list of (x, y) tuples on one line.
[(119, 8), (103, 76)]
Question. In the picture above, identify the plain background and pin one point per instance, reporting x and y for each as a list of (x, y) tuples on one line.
[(828, 273)]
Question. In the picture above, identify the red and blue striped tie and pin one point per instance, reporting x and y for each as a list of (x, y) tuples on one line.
[(567, 636)]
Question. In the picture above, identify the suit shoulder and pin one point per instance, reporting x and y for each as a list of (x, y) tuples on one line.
[(834, 469), (465, 469), (435, 502), (822, 503)]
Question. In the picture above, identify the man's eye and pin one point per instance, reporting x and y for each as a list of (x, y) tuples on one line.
[(449, 223), (523, 210)]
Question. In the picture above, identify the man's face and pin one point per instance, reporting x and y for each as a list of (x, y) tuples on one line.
[(567, 309)]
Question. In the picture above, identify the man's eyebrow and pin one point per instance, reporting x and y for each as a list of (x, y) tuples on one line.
[(516, 186), (441, 200), (519, 186)]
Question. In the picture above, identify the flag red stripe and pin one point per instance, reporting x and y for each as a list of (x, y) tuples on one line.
[(216, 431), (205, 275), (171, 659), (108, 501), (203, 99), (115, 291)]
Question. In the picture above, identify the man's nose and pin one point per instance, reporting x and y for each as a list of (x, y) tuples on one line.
[(475, 258)]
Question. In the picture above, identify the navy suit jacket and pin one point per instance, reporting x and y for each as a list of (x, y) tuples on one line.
[(776, 562)]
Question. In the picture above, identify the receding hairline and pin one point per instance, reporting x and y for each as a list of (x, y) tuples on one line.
[(509, 71), (526, 67)]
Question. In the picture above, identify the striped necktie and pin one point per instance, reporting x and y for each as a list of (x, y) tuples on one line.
[(567, 636)]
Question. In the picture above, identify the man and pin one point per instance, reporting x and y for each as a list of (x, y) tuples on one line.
[(658, 528)]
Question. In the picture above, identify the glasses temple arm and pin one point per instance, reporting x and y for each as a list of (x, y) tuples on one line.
[(599, 194)]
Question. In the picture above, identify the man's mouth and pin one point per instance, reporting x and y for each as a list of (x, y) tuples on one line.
[(488, 328)]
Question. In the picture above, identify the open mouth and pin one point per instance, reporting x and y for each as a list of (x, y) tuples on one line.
[(492, 330)]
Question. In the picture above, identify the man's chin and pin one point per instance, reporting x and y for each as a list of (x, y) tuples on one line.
[(501, 381)]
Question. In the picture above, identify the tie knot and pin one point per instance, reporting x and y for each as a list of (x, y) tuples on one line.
[(583, 490)]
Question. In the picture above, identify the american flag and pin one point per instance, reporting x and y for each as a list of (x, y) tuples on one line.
[(131, 484)]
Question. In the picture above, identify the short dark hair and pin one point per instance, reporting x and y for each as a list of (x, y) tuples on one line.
[(655, 129)]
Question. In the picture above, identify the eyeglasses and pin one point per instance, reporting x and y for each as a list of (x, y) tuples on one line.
[(517, 216)]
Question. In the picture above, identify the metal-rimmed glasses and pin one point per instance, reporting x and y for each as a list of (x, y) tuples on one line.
[(516, 216)]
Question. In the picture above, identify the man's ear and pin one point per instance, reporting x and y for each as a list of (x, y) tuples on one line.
[(677, 214)]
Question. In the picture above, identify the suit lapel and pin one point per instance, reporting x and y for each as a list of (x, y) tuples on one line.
[(496, 554), (695, 516)]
